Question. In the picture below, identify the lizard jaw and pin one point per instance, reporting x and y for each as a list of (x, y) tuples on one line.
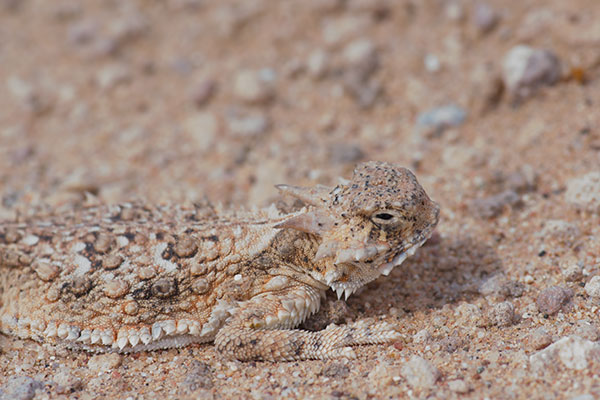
[(348, 288)]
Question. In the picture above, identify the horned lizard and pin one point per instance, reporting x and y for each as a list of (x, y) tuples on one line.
[(134, 277)]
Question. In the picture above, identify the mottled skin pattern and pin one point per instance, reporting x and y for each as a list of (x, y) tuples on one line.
[(135, 277)]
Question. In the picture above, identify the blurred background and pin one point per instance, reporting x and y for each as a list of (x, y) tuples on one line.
[(494, 104), (173, 100)]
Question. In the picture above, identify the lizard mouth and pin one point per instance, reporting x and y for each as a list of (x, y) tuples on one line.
[(367, 273)]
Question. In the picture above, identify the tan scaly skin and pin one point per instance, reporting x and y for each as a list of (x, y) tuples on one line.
[(135, 277)]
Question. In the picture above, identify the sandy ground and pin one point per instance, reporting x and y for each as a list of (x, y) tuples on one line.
[(109, 101)]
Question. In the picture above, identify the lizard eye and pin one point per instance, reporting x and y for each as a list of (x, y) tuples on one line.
[(384, 217)]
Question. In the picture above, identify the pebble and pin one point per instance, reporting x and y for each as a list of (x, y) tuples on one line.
[(432, 63), (458, 386), (20, 387), (572, 270), (584, 192), (361, 56), (67, 383), (423, 336), (439, 118), (522, 180), (469, 314), (104, 362), (384, 374), (502, 314), (540, 338), (242, 124), (493, 206), (553, 299), (592, 288), (420, 373), (203, 92), (253, 87), (485, 17), (571, 352), (525, 69)]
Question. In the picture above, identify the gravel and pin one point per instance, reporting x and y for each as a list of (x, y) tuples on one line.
[(493, 206), (558, 229)]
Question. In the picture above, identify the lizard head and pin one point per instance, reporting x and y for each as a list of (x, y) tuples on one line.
[(366, 226)]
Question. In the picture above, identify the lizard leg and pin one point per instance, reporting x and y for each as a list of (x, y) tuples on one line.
[(261, 329)]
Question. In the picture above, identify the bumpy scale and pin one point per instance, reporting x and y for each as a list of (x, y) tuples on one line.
[(134, 277)]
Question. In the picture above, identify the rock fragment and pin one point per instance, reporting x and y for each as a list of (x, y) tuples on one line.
[(485, 17), (526, 69), (458, 386), (104, 362), (20, 387), (502, 314), (437, 119), (592, 288), (540, 338), (584, 192), (553, 299), (420, 373), (243, 124), (572, 270), (253, 87), (571, 352), (203, 92)]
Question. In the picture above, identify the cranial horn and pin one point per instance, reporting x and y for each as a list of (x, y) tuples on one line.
[(315, 196)]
